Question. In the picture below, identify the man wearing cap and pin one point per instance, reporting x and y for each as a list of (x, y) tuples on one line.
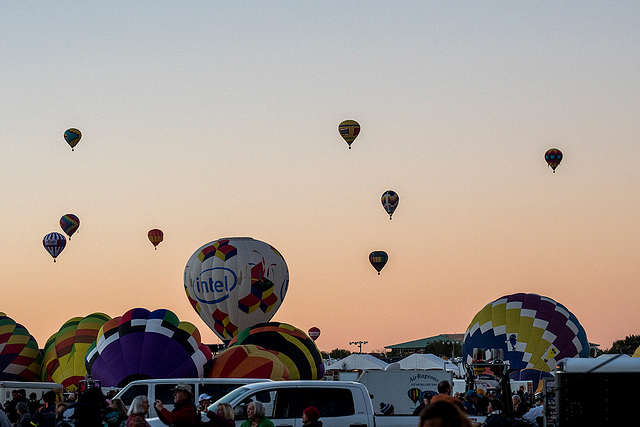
[(184, 410), (471, 402)]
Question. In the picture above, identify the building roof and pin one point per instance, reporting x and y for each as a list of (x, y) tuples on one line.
[(422, 343)]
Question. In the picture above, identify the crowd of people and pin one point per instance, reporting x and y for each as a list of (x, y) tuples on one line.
[(454, 411), (93, 409)]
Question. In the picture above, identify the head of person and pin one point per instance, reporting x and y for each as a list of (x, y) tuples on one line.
[(14, 394), (204, 400), (22, 408), (444, 387), (139, 406), (443, 414), (471, 396), (225, 410), (50, 397), (22, 393), (118, 405), (255, 410), (182, 393), (61, 407), (386, 408), (494, 405), (310, 414), (94, 396), (515, 399), (33, 397)]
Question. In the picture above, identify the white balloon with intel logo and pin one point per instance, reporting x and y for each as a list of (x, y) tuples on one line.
[(235, 283)]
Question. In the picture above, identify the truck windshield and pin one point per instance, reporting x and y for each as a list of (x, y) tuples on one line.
[(227, 397)]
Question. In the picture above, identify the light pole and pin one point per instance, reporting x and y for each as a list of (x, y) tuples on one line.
[(359, 344)]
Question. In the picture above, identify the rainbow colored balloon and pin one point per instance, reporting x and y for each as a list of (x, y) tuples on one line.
[(249, 361), (69, 224), (533, 331), (20, 357), (65, 351), (294, 348)]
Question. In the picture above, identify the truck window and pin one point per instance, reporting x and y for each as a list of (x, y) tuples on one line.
[(216, 391), (132, 392), (164, 393), (266, 397), (331, 402)]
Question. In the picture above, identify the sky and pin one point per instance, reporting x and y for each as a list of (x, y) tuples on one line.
[(216, 119)]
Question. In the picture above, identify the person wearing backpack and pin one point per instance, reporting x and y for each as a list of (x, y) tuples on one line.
[(45, 416)]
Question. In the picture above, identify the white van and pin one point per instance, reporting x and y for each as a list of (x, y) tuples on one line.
[(39, 388), (161, 389)]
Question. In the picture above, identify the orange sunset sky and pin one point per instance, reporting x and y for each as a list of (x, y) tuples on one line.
[(218, 119)]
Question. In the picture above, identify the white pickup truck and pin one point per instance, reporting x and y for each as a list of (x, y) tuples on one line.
[(341, 403)]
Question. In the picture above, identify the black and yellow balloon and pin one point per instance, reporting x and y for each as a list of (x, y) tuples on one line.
[(294, 348), (349, 130)]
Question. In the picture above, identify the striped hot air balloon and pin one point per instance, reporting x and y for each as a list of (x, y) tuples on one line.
[(294, 348), (249, 361), (20, 357), (533, 331), (155, 237), (65, 351), (54, 243), (349, 131)]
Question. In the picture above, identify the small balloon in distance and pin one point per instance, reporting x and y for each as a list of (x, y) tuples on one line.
[(69, 224), (390, 200), (553, 157), (378, 260), (349, 130), (54, 243), (72, 136), (155, 237)]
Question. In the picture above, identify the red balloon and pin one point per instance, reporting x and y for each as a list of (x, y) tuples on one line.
[(314, 333)]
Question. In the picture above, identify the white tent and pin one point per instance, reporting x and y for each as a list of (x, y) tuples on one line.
[(422, 361), (359, 362)]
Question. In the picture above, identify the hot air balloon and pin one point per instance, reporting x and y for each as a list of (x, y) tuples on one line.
[(65, 351), (69, 224), (155, 237), (294, 348), (249, 361), (553, 156), (20, 357), (143, 344), (533, 331), (390, 200), (235, 283), (72, 136), (349, 130), (54, 243), (378, 259), (314, 333)]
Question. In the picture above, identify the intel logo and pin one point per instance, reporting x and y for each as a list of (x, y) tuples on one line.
[(210, 291)]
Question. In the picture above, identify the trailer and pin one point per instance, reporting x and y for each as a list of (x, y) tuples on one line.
[(596, 391)]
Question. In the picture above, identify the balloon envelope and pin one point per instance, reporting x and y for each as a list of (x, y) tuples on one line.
[(249, 361), (54, 243), (72, 136), (235, 283), (349, 130), (378, 259), (144, 344), (294, 348), (20, 357), (390, 200), (314, 333), (553, 156), (65, 351), (69, 224), (155, 237), (534, 332)]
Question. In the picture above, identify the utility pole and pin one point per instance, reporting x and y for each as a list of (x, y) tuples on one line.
[(359, 344)]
